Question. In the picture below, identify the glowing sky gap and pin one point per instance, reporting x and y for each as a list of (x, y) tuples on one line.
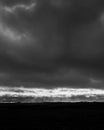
[(57, 92)]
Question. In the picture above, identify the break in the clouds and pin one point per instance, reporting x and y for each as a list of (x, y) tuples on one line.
[(50, 36)]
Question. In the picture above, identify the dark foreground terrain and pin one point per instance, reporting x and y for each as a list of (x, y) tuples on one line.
[(50, 116)]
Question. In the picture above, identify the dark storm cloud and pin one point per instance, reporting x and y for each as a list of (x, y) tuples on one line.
[(58, 34)]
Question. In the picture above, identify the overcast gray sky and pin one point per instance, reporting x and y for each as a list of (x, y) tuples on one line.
[(50, 40)]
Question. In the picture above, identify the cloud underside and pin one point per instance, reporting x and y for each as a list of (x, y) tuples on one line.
[(72, 43)]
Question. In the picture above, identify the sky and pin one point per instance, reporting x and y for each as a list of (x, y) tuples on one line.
[(52, 41)]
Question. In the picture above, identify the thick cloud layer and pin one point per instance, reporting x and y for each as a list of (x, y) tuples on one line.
[(49, 36)]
